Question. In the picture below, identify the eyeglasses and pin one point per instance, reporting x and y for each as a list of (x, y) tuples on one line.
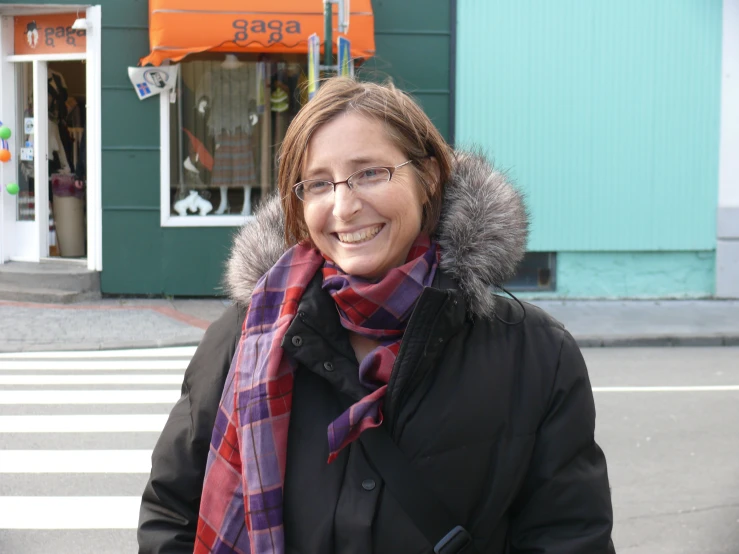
[(365, 179)]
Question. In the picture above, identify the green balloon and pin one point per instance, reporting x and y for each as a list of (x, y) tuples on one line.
[(5, 132), (12, 188)]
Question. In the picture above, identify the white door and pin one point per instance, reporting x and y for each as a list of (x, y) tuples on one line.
[(27, 211), (29, 163)]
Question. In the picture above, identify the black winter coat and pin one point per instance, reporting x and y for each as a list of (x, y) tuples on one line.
[(497, 419)]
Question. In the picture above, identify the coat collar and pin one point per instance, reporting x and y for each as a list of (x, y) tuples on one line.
[(482, 233)]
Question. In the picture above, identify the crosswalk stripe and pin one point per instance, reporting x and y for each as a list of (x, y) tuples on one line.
[(75, 461), (90, 365), (69, 512), (173, 352), (126, 379), (26, 397), (94, 423), (91, 447)]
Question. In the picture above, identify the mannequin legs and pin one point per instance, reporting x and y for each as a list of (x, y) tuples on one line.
[(223, 206), (246, 209)]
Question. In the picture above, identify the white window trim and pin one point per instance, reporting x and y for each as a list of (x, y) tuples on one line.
[(47, 57), (167, 218), (93, 75)]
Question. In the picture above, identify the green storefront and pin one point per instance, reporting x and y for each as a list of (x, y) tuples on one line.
[(172, 177)]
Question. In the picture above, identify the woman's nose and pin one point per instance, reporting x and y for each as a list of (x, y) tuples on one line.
[(346, 202)]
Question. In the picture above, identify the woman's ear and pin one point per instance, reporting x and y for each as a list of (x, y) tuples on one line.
[(431, 166)]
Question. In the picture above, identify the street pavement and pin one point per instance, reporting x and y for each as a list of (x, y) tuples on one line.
[(77, 428), (113, 323), (667, 422)]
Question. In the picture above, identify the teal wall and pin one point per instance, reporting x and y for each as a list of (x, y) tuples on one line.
[(605, 113)]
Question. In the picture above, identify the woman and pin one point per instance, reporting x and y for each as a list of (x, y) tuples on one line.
[(379, 397)]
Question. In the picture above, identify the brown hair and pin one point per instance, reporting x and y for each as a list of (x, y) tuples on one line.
[(408, 127)]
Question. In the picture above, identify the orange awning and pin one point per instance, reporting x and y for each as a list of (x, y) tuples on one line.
[(181, 27)]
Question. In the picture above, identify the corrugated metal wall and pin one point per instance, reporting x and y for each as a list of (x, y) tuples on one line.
[(606, 113)]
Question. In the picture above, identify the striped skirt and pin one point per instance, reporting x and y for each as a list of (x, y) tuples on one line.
[(233, 163)]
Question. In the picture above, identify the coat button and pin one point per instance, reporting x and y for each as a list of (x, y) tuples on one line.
[(297, 340), (369, 484), (328, 366)]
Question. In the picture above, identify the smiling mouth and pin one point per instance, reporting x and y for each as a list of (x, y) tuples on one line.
[(358, 237)]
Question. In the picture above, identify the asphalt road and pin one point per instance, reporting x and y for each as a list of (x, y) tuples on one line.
[(667, 421), (673, 453)]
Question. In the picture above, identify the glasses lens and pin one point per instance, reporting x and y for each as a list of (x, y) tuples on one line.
[(372, 176), (310, 190)]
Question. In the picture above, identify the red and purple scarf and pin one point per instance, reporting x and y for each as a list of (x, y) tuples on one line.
[(241, 505)]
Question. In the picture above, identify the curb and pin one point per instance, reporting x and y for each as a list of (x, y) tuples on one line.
[(657, 341), (121, 345), (582, 341)]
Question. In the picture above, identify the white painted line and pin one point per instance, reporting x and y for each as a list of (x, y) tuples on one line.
[(91, 365), (69, 512), (716, 388), (75, 461), (173, 352), (93, 423), (89, 397), (125, 379)]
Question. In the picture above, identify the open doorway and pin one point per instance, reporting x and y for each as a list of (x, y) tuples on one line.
[(65, 139), (67, 153)]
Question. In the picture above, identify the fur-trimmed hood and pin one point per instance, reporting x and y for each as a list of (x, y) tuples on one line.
[(482, 234)]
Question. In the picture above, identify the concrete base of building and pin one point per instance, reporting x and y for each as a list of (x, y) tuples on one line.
[(636, 275), (727, 253), (727, 268)]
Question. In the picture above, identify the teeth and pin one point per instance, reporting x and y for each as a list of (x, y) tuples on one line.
[(360, 236)]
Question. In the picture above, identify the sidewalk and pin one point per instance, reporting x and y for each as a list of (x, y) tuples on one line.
[(113, 323)]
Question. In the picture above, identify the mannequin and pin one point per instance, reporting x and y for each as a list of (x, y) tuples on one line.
[(230, 85)]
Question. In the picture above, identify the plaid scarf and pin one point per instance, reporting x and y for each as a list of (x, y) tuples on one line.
[(377, 311), (241, 504)]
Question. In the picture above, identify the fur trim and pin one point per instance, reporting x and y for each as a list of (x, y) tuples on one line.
[(482, 234), (482, 231), (256, 248)]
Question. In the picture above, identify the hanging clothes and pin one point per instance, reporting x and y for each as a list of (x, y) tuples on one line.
[(233, 163), (229, 91)]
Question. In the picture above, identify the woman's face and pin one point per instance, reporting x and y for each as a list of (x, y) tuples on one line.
[(366, 233)]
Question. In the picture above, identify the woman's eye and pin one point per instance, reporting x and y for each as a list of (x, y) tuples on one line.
[(317, 187), (369, 173)]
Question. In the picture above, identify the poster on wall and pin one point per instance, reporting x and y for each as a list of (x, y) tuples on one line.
[(148, 81), (48, 34)]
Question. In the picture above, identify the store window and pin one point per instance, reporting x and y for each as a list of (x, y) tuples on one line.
[(536, 273), (225, 128)]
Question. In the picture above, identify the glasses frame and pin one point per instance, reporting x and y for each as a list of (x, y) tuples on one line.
[(390, 169)]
